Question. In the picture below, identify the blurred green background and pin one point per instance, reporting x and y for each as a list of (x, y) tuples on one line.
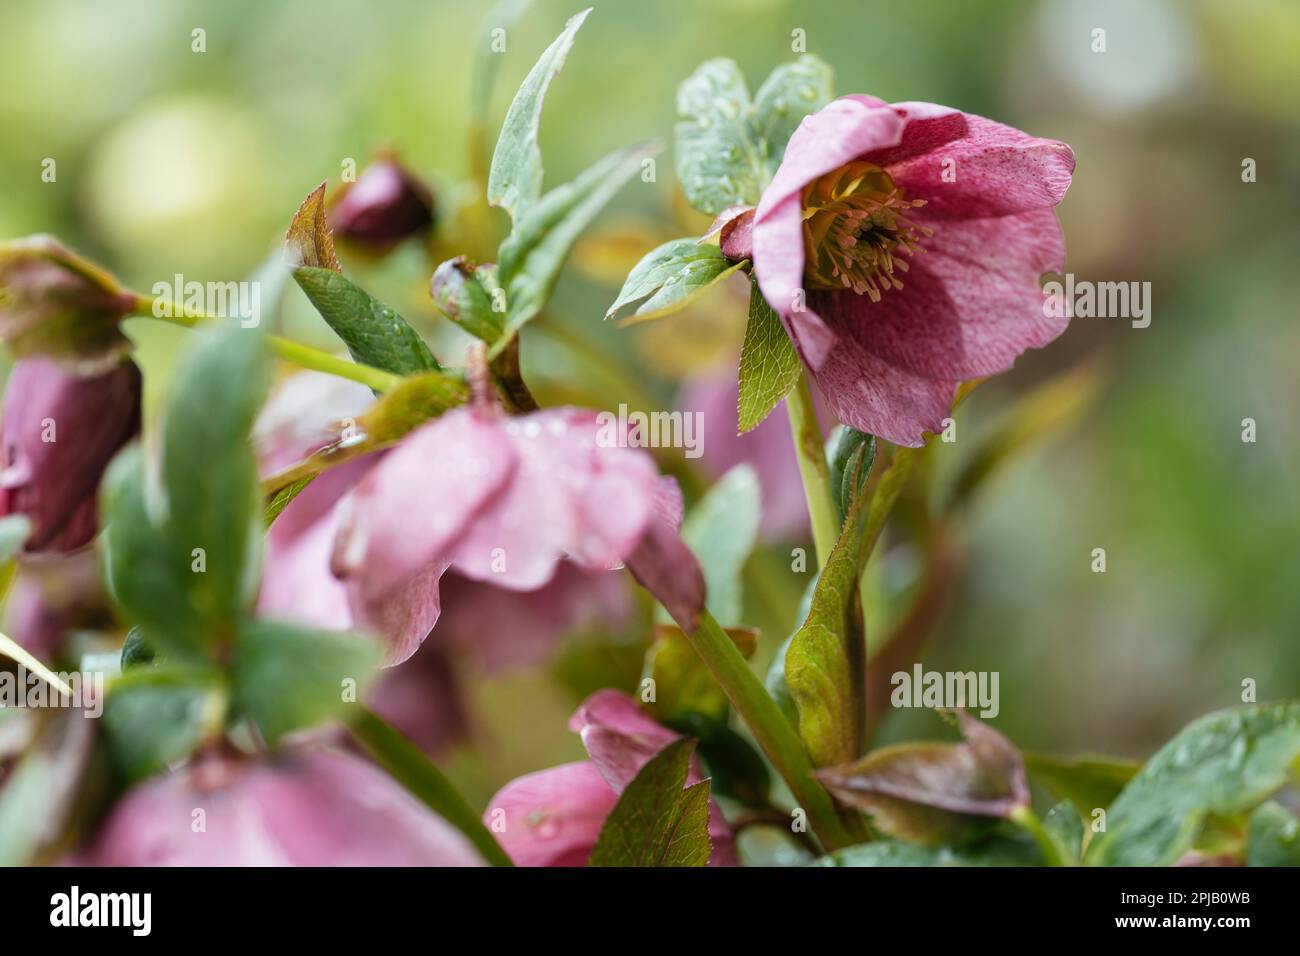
[(173, 161)]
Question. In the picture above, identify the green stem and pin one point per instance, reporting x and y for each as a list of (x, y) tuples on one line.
[(1028, 820), (289, 350), (770, 728), (408, 765), (810, 451)]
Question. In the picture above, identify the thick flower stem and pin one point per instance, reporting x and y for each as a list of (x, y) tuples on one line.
[(289, 350), (770, 728), (810, 451)]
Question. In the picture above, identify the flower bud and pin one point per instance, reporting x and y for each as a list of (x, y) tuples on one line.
[(54, 302), (465, 294), (58, 433), (385, 206)]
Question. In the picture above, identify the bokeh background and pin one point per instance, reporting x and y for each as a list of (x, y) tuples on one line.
[(170, 161)]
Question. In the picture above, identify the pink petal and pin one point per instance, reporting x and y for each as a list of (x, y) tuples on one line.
[(552, 817), (969, 306), (665, 566), (293, 809), (422, 698), (502, 629), (995, 170), (865, 392)]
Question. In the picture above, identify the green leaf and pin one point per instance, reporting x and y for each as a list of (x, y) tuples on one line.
[(722, 529), (1090, 783), (1225, 763), (734, 767), (672, 276), (374, 334), (153, 718), (790, 92), (515, 179), (656, 822), (769, 367), (288, 677), (1064, 827), (719, 160), (406, 764), (182, 559), (282, 497), (774, 681), (683, 683), (822, 669), (136, 651), (853, 453), (996, 851), (1274, 836), (533, 254), (727, 147)]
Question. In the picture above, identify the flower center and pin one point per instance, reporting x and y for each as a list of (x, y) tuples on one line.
[(856, 230)]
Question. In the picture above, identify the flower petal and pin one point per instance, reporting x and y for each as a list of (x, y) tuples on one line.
[(970, 304), (990, 170), (552, 817)]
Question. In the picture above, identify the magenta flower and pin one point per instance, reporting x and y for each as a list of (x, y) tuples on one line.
[(59, 432), (553, 817), (902, 245), (294, 808), (502, 501)]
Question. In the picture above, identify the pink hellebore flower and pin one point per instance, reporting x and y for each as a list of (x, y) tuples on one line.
[(553, 817), (502, 501), (59, 432), (902, 245), (295, 808)]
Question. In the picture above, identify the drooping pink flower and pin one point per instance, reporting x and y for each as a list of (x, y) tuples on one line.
[(553, 817), (294, 808), (60, 429), (502, 501), (902, 245)]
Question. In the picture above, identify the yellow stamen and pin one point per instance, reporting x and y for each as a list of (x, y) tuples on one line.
[(856, 230)]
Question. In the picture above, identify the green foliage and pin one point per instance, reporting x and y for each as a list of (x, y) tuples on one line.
[(532, 255), (852, 455), (515, 179), (373, 332), (769, 366), (722, 529), (727, 146), (155, 717), (289, 677), (1274, 836), (671, 277), (656, 822), (995, 851), (1224, 763)]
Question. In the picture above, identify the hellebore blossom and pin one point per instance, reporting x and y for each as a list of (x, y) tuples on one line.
[(530, 509), (58, 434), (386, 205), (293, 808), (902, 245), (553, 817), (500, 500)]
